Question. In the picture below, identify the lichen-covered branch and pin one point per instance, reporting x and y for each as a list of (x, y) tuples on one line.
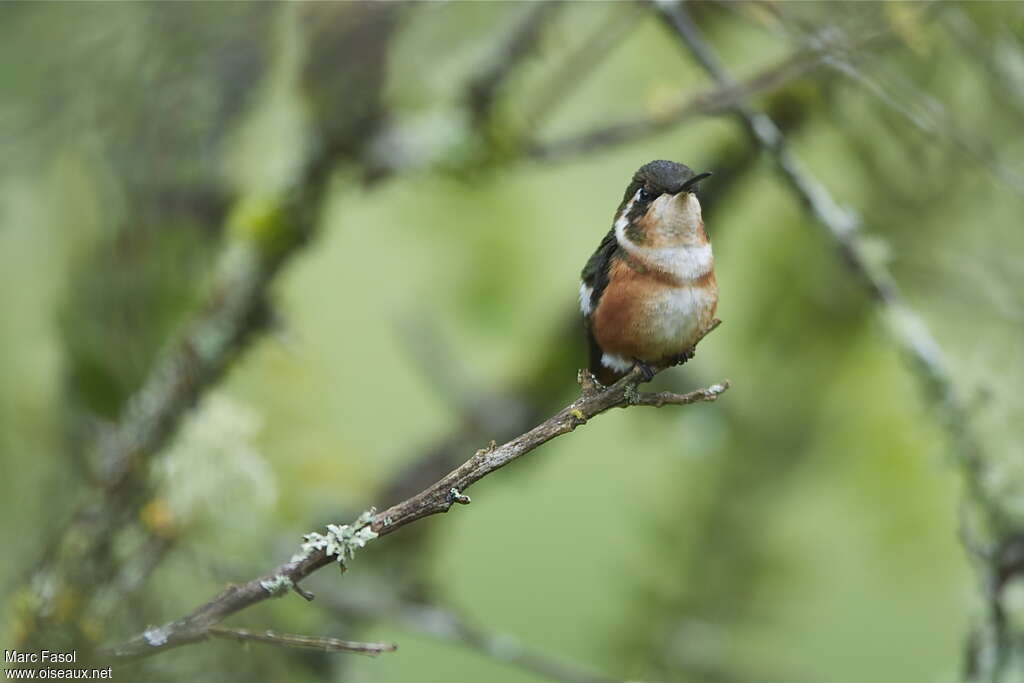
[(263, 232), (339, 544)]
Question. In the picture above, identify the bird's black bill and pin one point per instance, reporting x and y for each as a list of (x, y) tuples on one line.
[(692, 182)]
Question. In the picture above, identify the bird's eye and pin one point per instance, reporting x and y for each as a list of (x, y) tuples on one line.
[(645, 195)]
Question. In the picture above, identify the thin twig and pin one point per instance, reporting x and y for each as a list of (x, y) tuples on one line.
[(724, 98), (668, 398), (622, 18), (991, 53), (391, 151), (425, 345), (319, 643), (705, 102), (933, 120), (485, 87), (449, 626), (439, 497)]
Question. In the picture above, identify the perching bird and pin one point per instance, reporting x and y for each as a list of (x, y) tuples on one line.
[(650, 289)]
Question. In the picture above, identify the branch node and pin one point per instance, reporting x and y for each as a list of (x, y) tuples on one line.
[(277, 585), (716, 390), (456, 496), (589, 385), (489, 448), (305, 594)]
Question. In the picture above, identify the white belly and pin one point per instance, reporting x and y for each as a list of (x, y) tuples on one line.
[(674, 317)]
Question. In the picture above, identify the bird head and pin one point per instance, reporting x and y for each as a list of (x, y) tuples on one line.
[(660, 207)]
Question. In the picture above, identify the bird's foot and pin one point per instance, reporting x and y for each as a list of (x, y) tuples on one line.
[(646, 371)]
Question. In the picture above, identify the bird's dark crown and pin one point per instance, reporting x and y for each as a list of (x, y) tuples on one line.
[(660, 177)]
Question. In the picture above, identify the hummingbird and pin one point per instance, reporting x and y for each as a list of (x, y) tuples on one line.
[(649, 290)]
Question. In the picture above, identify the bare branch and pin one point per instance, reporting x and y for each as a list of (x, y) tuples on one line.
[(449, 626), (322, 550), (320, 643), (668, 398)]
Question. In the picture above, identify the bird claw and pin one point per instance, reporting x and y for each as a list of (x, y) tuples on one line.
[(681, 358)]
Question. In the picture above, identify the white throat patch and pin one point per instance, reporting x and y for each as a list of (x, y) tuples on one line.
[(685, 262)]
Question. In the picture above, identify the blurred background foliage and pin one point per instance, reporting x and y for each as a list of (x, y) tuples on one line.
[(803, 528)]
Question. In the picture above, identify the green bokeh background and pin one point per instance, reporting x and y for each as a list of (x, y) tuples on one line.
[(803, 528)]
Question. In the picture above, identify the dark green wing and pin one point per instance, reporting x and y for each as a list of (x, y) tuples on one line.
[(595, 276), (595, 273)]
